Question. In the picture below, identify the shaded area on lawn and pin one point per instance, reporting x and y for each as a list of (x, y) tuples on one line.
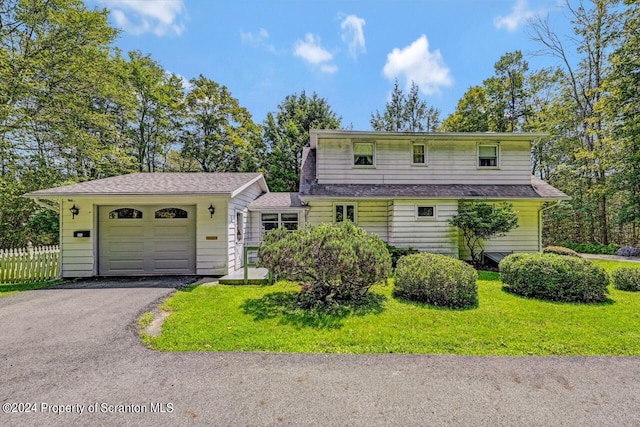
[(286, 305)]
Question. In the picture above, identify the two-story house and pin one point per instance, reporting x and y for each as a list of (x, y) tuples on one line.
[(403, 187)]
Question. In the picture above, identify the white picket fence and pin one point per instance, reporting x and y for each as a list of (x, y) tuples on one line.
[(30, 264)]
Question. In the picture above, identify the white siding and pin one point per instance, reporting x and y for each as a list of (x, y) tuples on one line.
[(525, 238), (239, 204), (255, 221), (449, 162), (372, 215), (427, 235), (79, 255)]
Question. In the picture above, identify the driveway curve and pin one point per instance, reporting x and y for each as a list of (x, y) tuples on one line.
[(70, 355)]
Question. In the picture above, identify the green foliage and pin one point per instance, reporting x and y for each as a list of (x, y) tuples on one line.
[(626, 279), (406, 113), (554, 277), (479, 220), (397, 253), (590, 248), (437, 280), (286, 133), (332, 262), (472, 112), (560, 250), (219, 135)]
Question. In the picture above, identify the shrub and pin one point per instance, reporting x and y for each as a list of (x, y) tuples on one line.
[(626, 279), (397, 253), (628, 251), (590, 248), (332, 262), (479, 220), (560, 250), (437, 280), (554, 277)]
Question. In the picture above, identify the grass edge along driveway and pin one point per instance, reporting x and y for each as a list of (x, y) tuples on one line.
[(13, 288), (262, 318)]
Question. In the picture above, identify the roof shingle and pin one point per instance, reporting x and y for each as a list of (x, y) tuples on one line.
[(276, 200)]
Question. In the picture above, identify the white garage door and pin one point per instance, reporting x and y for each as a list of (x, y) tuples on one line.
[(146, 240)]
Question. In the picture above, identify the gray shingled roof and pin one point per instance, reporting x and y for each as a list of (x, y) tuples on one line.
[(276, 200), (159, 183), (310, 188)]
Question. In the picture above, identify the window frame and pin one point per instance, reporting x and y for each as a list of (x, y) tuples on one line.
[(344, 205), (279, 222), (118, 210), (353, 155), (425, 154), (495, 145), (426, 218)]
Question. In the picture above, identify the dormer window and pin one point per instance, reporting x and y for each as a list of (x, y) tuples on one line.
[(488, 156), (363, 154)]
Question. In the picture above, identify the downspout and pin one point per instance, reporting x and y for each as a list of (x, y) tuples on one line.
[(557, 202)]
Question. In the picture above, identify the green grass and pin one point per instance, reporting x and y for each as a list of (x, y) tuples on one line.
[(261, 318), (8, 289)]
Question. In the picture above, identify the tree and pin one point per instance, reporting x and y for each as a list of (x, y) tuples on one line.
[(332, 262), (472, 112), (622, 108), (153, 123), (406, 113), (286, 133), (219, 134), (479, 220)]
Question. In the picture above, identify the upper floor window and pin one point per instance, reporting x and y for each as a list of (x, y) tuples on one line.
[(488, 156), (344, 211), (419, 154), (363, 153)]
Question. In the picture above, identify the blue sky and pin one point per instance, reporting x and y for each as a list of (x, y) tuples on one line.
[(349, 51)]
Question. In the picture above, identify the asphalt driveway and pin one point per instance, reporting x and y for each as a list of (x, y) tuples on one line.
[(70, 355)]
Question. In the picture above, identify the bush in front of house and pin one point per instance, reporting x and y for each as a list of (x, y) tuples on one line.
[(554, 277), (437, 280), (397, 253), (626, 279), (560, 250), (332, 262), (628, 251)]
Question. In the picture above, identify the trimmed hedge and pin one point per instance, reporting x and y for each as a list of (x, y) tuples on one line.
[(554, 278), (397, 253), (590, 248), (437, 280), (626, 279), (560, 250)]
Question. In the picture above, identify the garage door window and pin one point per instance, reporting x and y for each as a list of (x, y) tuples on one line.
[(125, 213), (171, 213)]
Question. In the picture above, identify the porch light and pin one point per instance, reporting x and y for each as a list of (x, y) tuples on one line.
[(212, 210), (74, 211)]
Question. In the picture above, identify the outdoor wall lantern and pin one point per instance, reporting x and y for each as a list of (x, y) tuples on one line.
[(212, 210), (74, 211)]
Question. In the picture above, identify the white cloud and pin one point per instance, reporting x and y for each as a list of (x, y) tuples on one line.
[(311, 51), (161, 17), (259, 39), (519, 16), (415, 63), (353, 34)]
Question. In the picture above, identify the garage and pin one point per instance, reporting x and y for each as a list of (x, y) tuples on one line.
[(140, 240)]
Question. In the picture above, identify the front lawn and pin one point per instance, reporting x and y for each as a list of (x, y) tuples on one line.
[(260, 318), (8, 289)]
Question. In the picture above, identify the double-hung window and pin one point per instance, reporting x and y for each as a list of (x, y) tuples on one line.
[(363, 154), (419, 154), (488, 155)]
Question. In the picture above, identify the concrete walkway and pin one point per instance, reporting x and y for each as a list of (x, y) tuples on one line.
[(77, 345), (611, 257)]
